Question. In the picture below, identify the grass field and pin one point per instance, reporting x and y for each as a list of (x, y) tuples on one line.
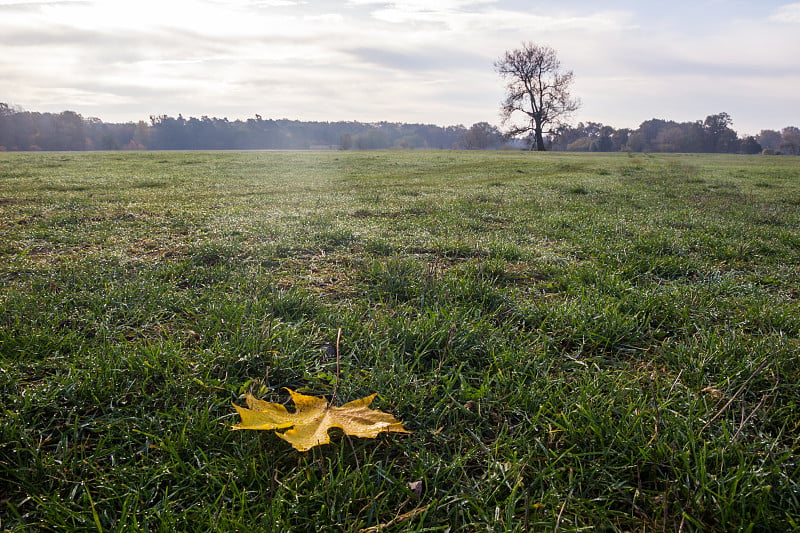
[(607, 342)]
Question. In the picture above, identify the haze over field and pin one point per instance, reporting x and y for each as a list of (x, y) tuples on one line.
[(405, 61)]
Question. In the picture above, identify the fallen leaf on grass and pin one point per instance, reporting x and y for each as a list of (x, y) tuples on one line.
[(313, 417)]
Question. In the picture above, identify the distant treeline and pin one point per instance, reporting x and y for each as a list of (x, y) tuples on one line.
[(712, 135), (29, 131)]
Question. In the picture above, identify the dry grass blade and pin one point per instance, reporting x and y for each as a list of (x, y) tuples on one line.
[(396, 520), (736, 394)]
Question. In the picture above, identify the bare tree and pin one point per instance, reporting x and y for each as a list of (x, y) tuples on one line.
[(537, 88)]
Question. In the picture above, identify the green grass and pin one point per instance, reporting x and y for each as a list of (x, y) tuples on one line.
[(607, 342)]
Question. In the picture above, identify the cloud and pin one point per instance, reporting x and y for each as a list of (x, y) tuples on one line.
[(31, 4), (426, 60), (789, 13), (423, 4), (484, 16), (256, 3)]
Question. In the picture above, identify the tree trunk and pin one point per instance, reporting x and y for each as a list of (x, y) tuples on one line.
[(539, 140)]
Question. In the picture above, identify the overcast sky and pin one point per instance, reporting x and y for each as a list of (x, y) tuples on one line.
[(405, 61)]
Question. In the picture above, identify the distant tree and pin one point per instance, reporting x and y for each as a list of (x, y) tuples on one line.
[(481, 136), (769, 139), (720, 137), (644, 138), (790, 140), (605, 141), (566, 135), (590, 137), (410, 142), (696, 136), (537, 88), (372, 139), (6, 126), (620, 139), (583, 144), (141, 136), (672, 139), (749, 145)]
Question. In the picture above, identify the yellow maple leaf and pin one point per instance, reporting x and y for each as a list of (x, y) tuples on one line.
[(313, 417)]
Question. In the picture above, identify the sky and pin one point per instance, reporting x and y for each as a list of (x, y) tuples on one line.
[(399, 61)]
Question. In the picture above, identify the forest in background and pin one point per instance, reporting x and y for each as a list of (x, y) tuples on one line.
[(22, 130)]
